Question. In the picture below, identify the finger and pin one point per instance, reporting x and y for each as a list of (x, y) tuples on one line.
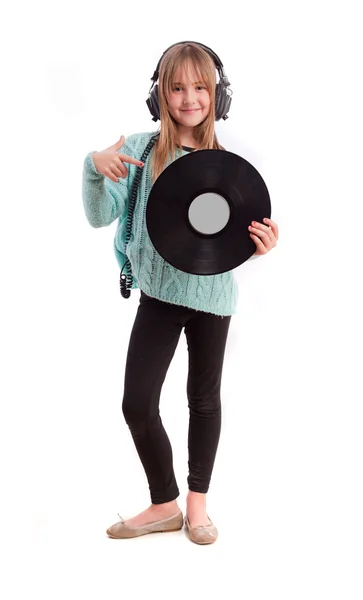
[(264, 231), (111, 176), (261, 230), (119, 143), (259, 244), (131, 160), (267, 238), (273, 225), (119, 170), (270, 236), (261, 226), (121, 167)]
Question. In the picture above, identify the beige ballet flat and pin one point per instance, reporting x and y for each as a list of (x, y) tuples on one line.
[(202, 534), (121, 531)]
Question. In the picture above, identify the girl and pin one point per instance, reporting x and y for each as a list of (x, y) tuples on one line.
[(170, 300)]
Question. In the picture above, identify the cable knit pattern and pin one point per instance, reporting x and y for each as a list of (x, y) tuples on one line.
[(105, 201)]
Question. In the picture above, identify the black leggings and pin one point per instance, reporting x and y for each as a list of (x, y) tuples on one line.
[(153, 341)]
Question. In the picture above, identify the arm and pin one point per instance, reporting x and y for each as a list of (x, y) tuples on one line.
[(104, 200)]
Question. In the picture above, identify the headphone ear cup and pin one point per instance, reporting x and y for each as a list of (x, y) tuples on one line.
[(217, 102), (153, 103), (223, 101)]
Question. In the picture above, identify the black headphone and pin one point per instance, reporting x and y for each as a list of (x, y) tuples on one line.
[(223, 93)]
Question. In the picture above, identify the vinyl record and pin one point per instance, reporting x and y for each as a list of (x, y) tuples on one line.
[(199, 210)]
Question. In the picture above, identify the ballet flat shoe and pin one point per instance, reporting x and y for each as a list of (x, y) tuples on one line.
[(121, 531), (202, 534)]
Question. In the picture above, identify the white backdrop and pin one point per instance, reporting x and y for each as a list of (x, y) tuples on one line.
[(286, 492)]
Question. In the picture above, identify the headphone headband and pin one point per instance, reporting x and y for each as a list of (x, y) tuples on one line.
[(217, 61)]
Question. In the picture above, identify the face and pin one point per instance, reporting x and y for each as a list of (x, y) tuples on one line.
[(189, 100)]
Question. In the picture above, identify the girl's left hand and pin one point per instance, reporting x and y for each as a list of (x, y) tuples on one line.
[(264, 236)]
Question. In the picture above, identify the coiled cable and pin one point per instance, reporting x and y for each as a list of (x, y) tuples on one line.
[(126, 278)]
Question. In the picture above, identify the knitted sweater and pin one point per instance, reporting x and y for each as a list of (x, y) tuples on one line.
[(105, 201)]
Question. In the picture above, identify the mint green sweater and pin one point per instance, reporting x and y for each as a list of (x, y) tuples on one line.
[(105, 201)]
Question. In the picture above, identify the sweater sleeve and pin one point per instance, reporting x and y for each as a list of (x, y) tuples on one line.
[(104, 200)]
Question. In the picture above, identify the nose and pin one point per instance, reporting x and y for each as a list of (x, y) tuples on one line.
[(189, 96)]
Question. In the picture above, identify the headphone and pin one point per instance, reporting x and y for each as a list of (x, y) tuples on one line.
[(223, 93)]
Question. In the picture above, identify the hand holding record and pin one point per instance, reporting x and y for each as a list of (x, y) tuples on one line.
[(199, 210), (264, 236)]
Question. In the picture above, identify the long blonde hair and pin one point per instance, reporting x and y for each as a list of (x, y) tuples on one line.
[(184, 55)]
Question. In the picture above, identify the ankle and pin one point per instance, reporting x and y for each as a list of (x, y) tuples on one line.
[(192, 494), (196, 498), (165, 507)]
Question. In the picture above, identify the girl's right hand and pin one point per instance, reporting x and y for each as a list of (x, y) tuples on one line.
[(111, 164)]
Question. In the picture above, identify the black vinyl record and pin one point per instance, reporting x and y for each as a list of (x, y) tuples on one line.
[(216, 186)]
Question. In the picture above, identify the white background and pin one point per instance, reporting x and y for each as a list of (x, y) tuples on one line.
[(286, 493)]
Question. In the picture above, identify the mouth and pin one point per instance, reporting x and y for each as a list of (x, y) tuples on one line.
[(190, 111)]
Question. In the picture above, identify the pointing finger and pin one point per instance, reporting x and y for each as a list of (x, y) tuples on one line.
[(131, 160)]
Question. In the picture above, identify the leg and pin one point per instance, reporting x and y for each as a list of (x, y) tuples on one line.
[(153, 341), (206, 337)]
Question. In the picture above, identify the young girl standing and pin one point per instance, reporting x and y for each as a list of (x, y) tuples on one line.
[(188, 101)]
